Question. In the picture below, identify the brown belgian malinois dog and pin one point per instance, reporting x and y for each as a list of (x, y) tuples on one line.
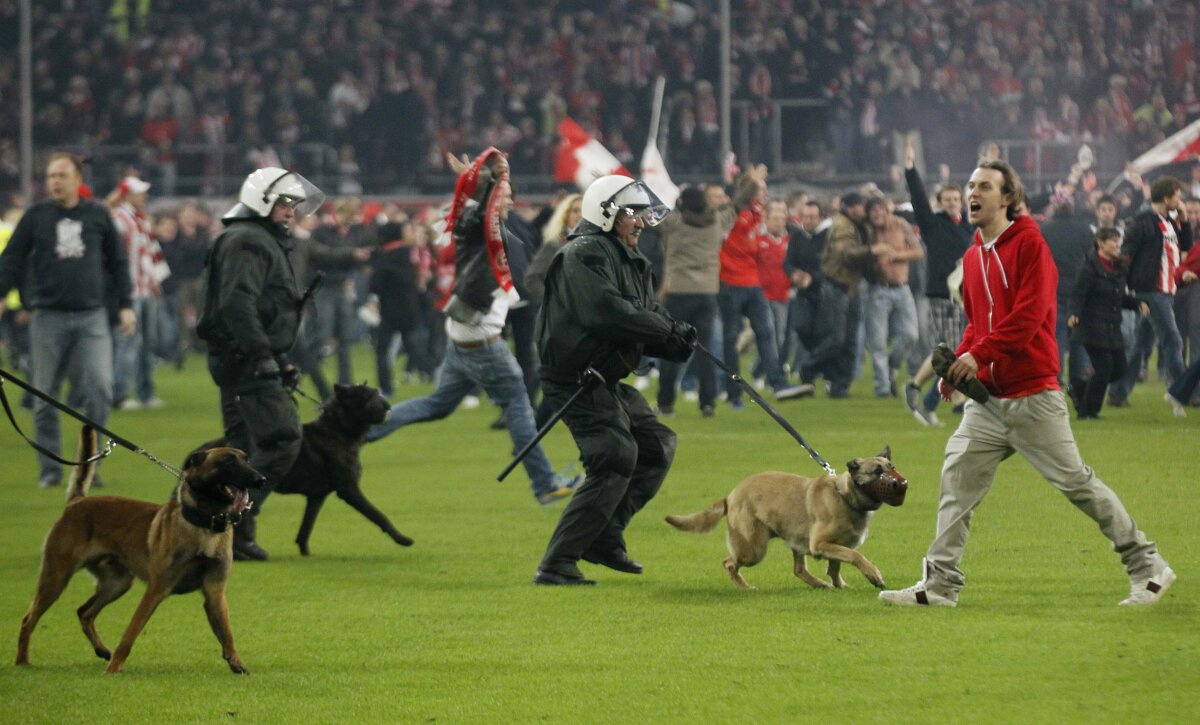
[(177, 547), (824, 517)]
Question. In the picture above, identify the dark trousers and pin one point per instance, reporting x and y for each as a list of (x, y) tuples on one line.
[(626, 452), (1108, 365), (520, 322), (414, 347), (831, 339), (260, 419), (699, 311)]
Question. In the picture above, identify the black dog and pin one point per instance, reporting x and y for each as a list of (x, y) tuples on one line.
[(328, 461)]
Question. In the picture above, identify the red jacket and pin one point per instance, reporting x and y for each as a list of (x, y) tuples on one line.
[(739, 253), (1009, 292), (771, 275), (1190, 263)]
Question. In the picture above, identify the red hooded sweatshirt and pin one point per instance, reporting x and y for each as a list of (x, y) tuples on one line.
[(1009, 295)]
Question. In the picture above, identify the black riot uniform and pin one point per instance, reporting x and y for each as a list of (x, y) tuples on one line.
[(599, 311), (251, 318)]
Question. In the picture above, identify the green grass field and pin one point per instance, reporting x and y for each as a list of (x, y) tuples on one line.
[(451, 630)]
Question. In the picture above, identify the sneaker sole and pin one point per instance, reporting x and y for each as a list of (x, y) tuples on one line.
[(906, 602)]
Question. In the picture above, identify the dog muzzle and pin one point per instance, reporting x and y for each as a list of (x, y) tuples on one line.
[(890, 488)]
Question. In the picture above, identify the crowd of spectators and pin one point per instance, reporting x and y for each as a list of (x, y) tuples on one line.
[(388, 88)]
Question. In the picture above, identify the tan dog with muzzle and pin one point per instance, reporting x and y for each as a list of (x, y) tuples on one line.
[(824, 517)]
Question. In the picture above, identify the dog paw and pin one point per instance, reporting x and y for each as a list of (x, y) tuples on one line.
[(103, 653), (238, 668), (402, 540)]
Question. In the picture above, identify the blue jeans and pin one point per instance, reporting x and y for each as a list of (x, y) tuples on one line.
[(77, 346), (736, 302), (1184, 385), (336, 321), (493, 368), (134, 358), (1159, 323), (890, 313)]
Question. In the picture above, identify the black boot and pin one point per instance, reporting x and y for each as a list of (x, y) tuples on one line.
[(244, 548)]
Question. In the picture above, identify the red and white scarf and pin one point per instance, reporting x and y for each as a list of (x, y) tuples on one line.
[(493, 233)]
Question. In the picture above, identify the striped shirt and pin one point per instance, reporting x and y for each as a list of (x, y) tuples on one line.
[(147, 264), (1170, 257)]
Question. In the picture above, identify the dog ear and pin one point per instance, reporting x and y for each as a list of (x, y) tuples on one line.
[(886, 452), (195, 458), (852, 466)]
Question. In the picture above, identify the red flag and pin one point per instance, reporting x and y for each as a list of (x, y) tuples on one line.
[(1179, 147), (581, 158)]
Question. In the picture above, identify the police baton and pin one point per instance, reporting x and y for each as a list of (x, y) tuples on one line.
[(590, 377)]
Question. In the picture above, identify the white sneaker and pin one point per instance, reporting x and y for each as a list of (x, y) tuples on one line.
[(804, 390), (155, 403), (691, 396), (1149, 591), (932, 419), (1176, 407), (641, 382), (915, 596), (470, 402), (130, 404)]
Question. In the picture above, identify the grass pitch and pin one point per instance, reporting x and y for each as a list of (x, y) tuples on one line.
[(451, 630)]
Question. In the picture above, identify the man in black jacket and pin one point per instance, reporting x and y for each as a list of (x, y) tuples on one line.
[(599, 316), (66, 255), (947, 236), (1155, 242), (1069, 237), (250, 320)]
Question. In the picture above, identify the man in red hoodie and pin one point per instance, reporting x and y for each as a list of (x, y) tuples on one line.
[(1009, 282)]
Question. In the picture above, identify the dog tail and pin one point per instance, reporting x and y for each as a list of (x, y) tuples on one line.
[(700, 522), (85, 470)]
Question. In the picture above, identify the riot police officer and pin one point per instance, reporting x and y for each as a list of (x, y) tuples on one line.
[(599, 316), (250, 320)]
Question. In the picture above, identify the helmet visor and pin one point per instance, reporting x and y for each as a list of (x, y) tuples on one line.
[(638, 200), (298, 192)]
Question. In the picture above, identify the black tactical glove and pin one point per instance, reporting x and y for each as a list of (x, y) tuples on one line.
[(266, 368), (290, 374), (684, 333)]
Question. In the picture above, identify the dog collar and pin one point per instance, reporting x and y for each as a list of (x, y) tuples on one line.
[(216, 523), (875, 505)]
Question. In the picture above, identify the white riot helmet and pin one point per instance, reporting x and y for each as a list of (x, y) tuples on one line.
[(609, 195), (263, 188)]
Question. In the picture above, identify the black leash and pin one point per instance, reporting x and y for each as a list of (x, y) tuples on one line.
[(300, 391), (112, 437), (767, 407)]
